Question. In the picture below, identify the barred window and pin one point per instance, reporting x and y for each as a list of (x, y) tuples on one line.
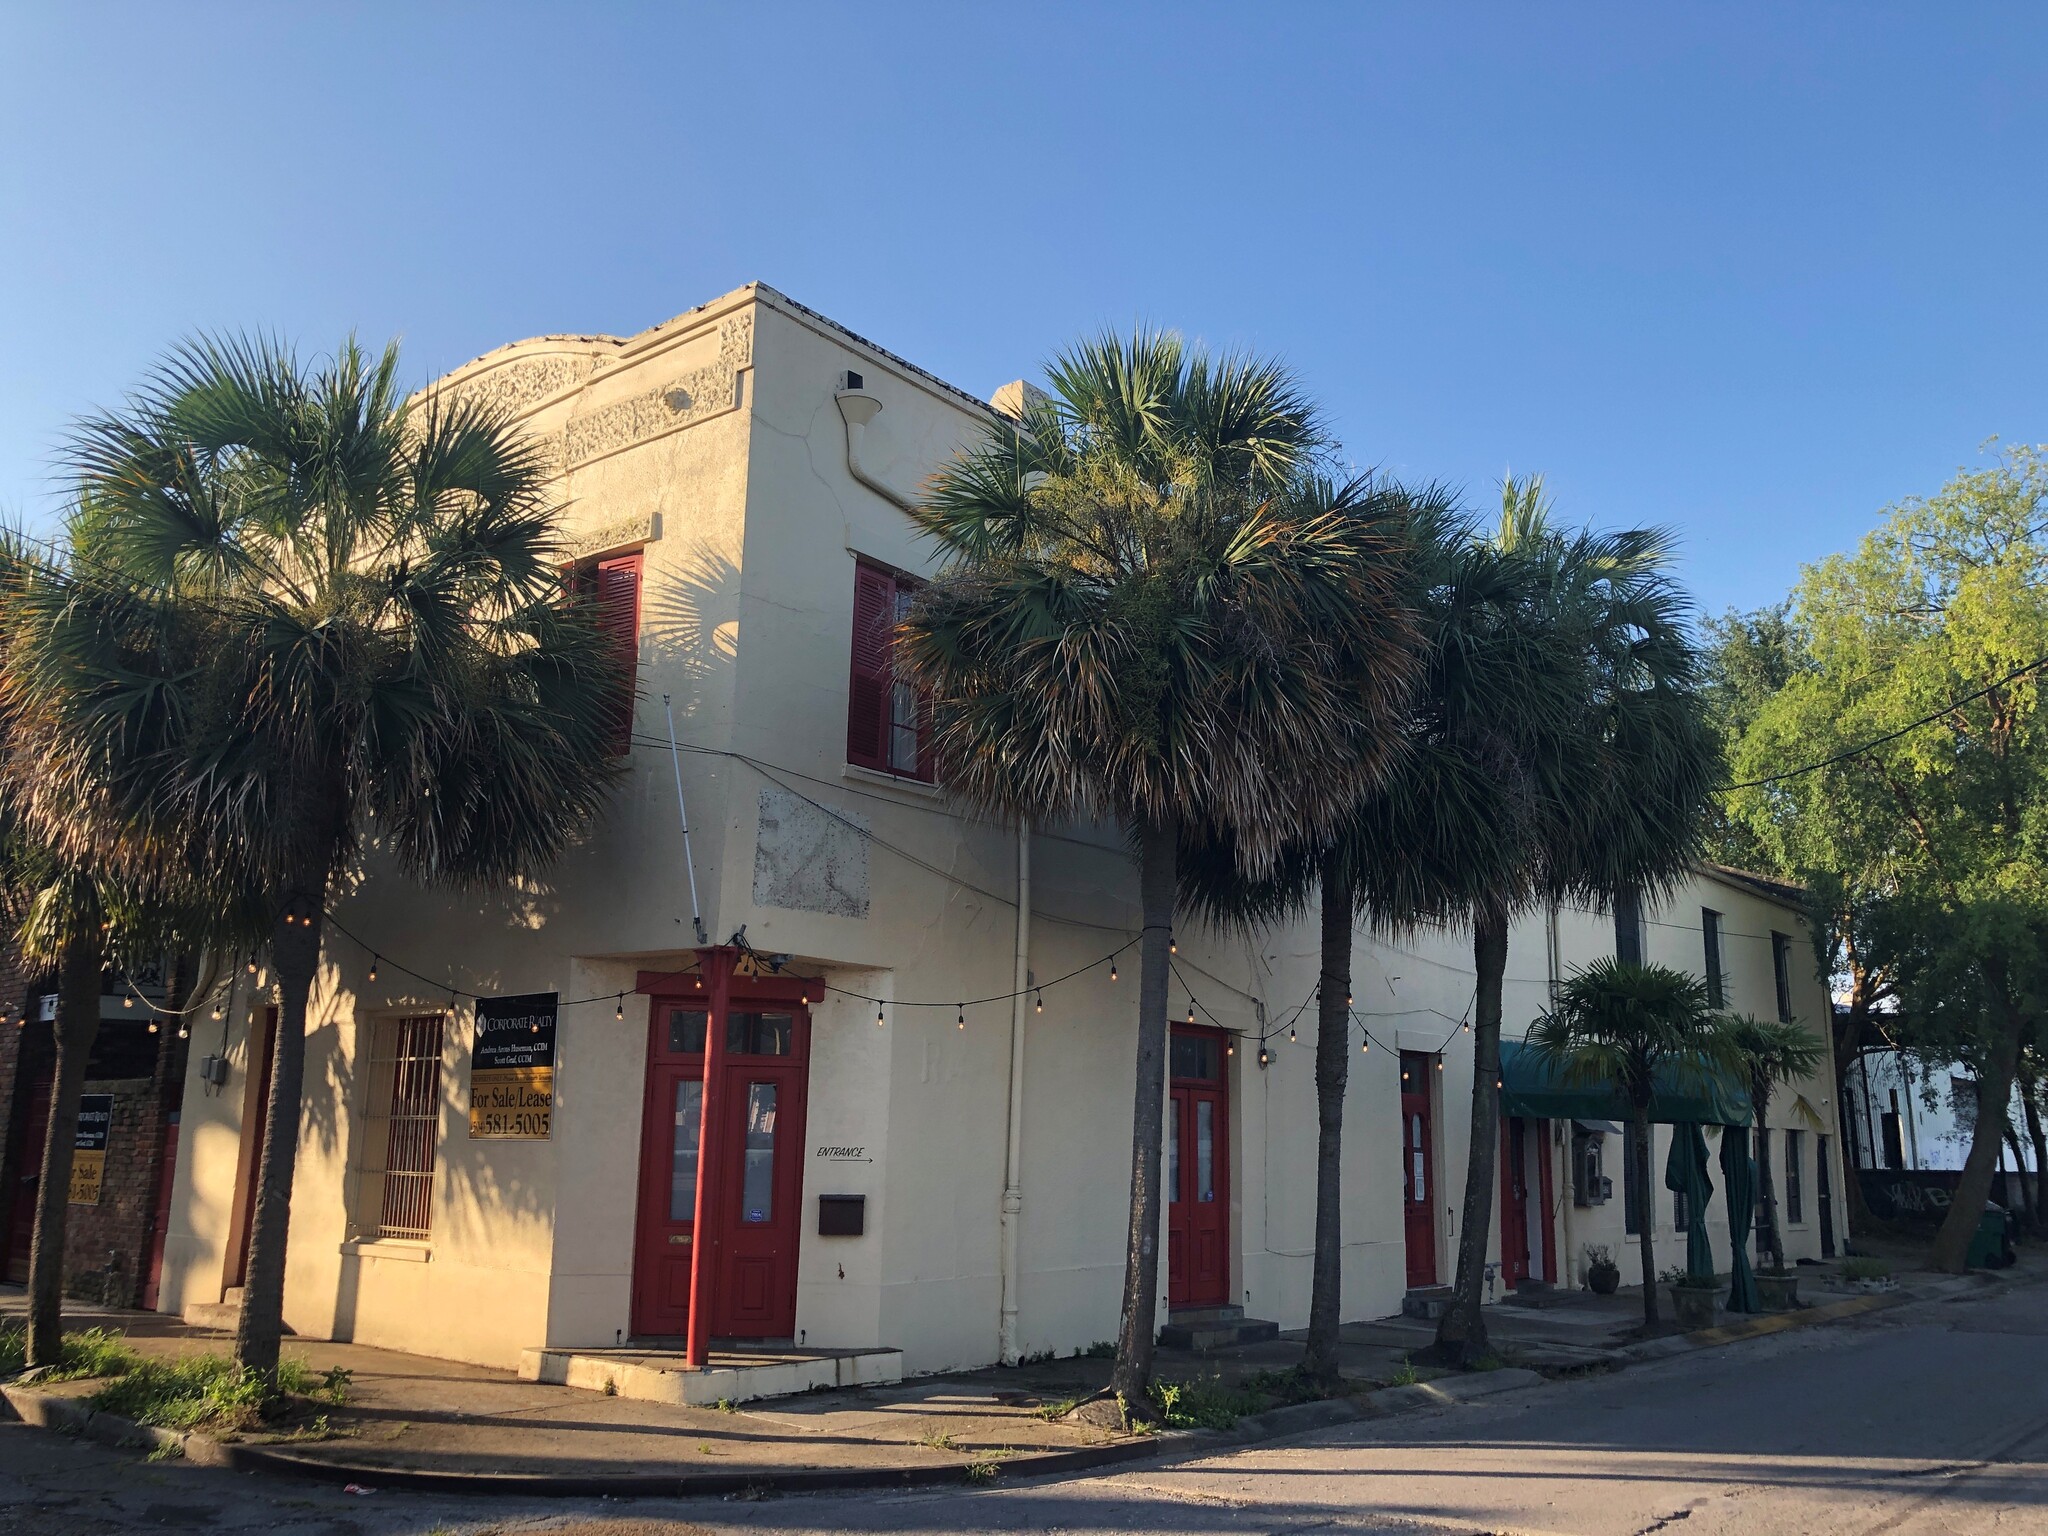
[(401, 1127)]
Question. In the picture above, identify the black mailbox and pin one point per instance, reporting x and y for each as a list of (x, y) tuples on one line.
[(842, 1215)]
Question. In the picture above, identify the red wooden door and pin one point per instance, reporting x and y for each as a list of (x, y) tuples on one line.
[(1514, 1201), (1197, 1173), (1418, 1167), (668, 1169), (30, 1132), (753, 1212), (160, 1218)]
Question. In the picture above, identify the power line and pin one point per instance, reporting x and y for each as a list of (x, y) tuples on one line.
[(1889, 736)]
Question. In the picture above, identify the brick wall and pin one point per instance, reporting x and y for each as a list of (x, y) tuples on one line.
[(106, 1246)]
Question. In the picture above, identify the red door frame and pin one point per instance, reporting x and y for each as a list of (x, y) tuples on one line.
[(1198, 1231), (715, 1243), (1514, 1202), (31, 1131), (1418, 1152)]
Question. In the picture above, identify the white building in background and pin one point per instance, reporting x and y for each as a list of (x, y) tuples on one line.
[(1908, 1117), (918, 1138)]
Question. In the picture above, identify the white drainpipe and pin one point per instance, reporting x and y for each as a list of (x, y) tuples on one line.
[(1013, 1152), (857, 408)]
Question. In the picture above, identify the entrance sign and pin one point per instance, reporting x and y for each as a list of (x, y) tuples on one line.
[(89, 1148), (512, 1068)]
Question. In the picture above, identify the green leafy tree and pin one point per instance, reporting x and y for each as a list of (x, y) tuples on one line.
[(1155, 612), (1620, 1025), (1921, 699), (1773, 1054), (313, 617)]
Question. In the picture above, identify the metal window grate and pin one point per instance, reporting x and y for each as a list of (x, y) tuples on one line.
[(406, 1053)]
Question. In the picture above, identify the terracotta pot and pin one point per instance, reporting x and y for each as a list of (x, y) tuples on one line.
[(1603, 1279), (1778, 1293)]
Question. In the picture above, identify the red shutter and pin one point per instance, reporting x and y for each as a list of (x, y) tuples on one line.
[(618, 618), (867, 698)]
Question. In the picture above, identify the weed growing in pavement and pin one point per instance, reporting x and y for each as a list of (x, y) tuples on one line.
[(1205, 1403), (937, 1440), (1037, 1357), (1059, 1410), (1406, 1376), (1865, 1269), (85, 1353), (1101, 1349), (210, 1390), (727, 1405)]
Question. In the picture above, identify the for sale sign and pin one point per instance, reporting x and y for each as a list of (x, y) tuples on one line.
[(89, 1148), (512, 1068)]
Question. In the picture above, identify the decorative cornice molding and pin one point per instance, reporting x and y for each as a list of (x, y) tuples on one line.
[(688, 397)]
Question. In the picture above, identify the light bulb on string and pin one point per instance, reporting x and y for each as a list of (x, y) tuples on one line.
[(152, 1026), (962, 1019), (1230, 1047), (620, 1011), (127, 1002), (1191, 1012), (1439, 1063), (878, 1016), (1264, 1058), (1112, 970), (216, 1012), (252, 965), (184, 1032), (1039, 1005), (1465, 1025), (1290, 1035), (373, 966), (1172, 946), (1347, 999)]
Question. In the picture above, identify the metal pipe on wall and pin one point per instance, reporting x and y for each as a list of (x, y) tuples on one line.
[(1013, 1152)]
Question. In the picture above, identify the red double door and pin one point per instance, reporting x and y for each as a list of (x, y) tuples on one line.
[(756, 1144), (1198, 1172), (1526, 1245), (1418, 1165)]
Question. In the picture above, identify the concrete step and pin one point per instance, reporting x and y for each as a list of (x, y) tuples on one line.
[(224, 1315), (1220, 1333), (1205, 1314), (1428, 1302)]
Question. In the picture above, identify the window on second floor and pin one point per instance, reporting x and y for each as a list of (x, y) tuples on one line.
[(1710, 927), (888, 726), (1628, 928), (614, 586), (1781, 973)]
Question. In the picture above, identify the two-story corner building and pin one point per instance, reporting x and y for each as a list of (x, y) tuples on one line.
[(913, 1123)]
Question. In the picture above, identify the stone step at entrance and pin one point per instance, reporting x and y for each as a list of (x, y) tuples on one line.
[(224, 1315), (1428, 1302), (728, 1376), (1206, 1328)]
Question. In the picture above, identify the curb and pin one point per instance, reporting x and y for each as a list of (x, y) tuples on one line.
[(49, 1410)]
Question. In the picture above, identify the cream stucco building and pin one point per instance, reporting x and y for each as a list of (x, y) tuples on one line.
[(909, 1158)]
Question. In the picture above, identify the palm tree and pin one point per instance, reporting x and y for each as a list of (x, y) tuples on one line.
[(1154, 612), (307, 611), (1621, 1025), (1455, 834), (1772, 1053)]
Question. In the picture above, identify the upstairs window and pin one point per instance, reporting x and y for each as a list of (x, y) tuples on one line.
[(616, 584), (1710, 927), (1781, 973), (1628, 928), (888, 726)]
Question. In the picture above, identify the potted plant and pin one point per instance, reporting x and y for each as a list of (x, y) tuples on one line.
[(1778, 1288), (1692, 1297), (1603, 1275)]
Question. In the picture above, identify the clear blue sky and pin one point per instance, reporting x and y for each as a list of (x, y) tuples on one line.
[(1752, 271)]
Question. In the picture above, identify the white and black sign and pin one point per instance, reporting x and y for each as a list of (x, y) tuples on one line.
[(512, 1068)]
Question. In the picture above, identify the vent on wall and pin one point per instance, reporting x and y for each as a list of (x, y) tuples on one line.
[(851, 380)]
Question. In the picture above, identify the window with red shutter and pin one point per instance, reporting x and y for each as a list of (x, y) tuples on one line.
[(887, 724), (618, 619)]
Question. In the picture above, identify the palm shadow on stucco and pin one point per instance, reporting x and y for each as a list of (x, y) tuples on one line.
[(688, 646)]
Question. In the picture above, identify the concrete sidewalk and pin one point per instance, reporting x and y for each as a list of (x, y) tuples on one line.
[(427, 1422)]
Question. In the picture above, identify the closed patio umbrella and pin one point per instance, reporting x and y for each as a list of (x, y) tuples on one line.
[(1686, 1169), (1738, 1177)]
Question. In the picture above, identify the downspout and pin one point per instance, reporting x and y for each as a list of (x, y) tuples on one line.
[(1568, 1263), (857, 408), (1013, 1151)]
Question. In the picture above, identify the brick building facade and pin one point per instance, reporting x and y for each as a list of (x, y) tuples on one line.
[(108, 1245)]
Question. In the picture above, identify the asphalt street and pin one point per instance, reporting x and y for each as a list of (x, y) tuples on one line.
[(1927, 1419)]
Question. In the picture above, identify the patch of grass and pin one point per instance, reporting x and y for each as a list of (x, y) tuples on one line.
[(1293, 1385), (1101, 1349), (1488, 1363), (1866, 1269), (1059, 1410), (85, 1353), (1406, 1376), (211, 1390), (170, 1450), (1204, 1403), (1037, 1357), (727, 1405), (985, 1466), (937, 1440)]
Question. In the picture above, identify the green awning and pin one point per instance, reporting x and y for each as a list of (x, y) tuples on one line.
[(1533, 1088)]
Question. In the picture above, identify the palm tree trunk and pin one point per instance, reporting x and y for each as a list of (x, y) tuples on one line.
[(78, 1022), (1639, 1155), (1994, 1089), (1131, 1379), (1768, 1240), (1319, 1360), (1461, 1331), (295, 952)]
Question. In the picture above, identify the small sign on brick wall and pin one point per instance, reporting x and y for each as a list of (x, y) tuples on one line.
[(512, 1068), (89, 1148)]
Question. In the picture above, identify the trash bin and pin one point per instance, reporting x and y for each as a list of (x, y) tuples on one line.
[(1989, 1247)]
